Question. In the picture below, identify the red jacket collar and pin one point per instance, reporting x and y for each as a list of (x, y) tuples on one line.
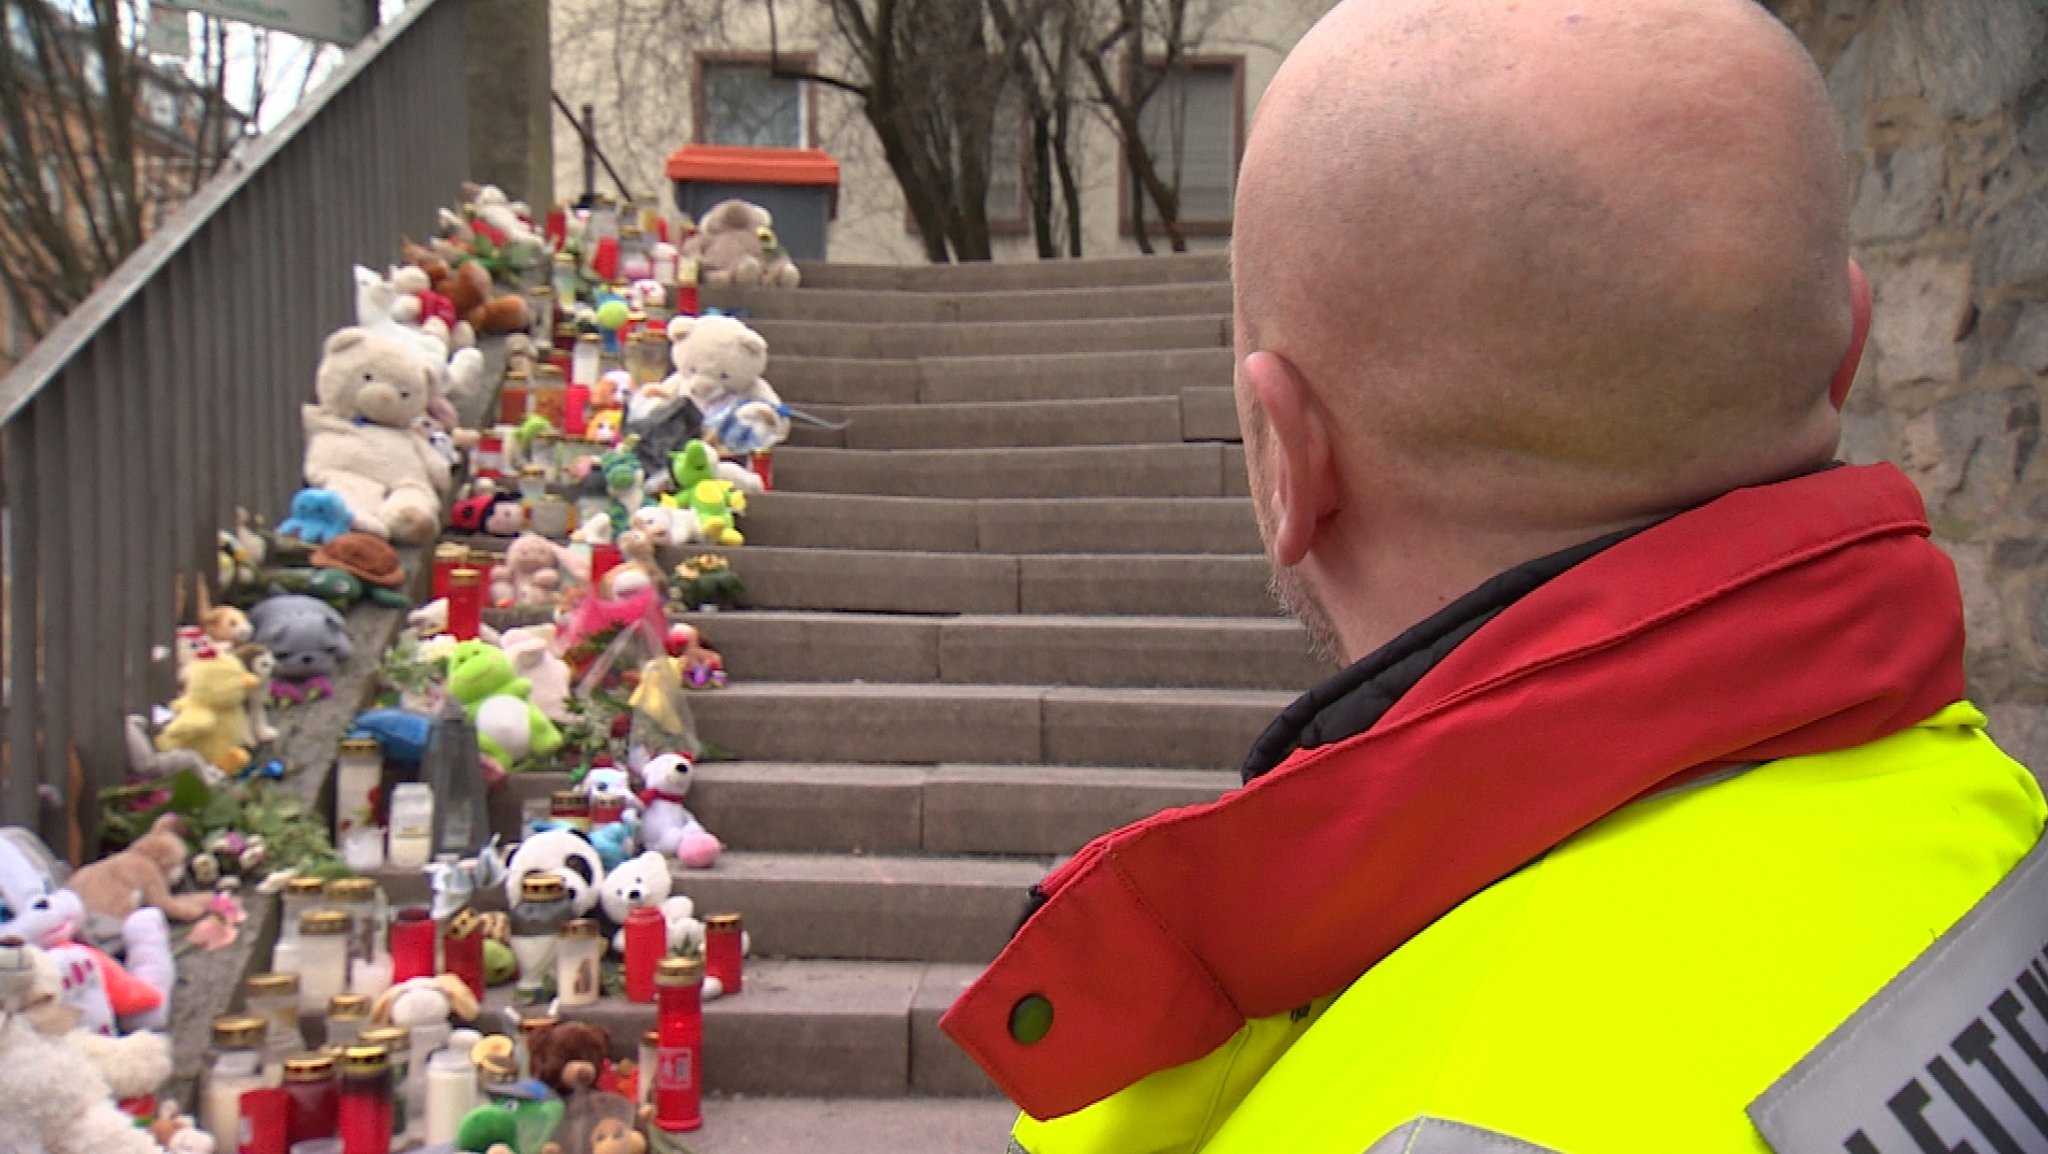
[(1793, 618)]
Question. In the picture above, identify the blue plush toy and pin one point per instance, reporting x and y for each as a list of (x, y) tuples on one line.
[(318, 516), (403, 734)]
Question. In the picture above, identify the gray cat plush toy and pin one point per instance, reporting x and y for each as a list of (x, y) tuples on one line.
[(308, 638)]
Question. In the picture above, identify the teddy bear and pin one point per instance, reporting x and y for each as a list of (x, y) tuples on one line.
[(563, 853), (263, 667), (532, 572), (317, 517), (361, 441), (468, 287), (396, 309), (532, 650), (147, 762), (735, 244), (211, 718), (309, 640), (668, 828), (567, 1057), (109, 996), (509, 727), (718, 364), (55, 1100), (644, 883), (424, 1006), (142, 875)]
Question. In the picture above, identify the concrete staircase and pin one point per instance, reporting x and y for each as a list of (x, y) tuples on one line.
[(1015, 603)]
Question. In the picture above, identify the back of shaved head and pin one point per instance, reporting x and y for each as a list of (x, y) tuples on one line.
[(1551, 262)]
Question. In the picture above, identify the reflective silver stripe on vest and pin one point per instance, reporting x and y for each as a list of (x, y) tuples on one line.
[(1440, 1136), (1951, 1055)]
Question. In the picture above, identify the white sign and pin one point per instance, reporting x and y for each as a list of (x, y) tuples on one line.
[(336, 21)]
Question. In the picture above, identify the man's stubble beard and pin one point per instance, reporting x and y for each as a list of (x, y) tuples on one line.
[(1291, 592)]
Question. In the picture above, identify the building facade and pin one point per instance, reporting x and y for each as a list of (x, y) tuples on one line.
[(659, 75)]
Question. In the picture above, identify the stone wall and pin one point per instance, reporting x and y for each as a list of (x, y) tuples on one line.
[(1944, 110)]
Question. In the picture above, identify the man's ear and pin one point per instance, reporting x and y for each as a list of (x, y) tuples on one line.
[(1859, 333), (1299, 474)]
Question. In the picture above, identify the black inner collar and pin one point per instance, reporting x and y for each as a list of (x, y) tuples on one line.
[(1354, 699)]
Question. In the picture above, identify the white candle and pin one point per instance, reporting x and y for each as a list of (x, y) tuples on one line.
[(451, 1093)]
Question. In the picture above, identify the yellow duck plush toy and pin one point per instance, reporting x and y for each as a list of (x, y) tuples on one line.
[(212, 718)]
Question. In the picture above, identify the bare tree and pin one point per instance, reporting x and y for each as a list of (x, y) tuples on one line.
[(928, 75), (1130, 50), (99, 142)]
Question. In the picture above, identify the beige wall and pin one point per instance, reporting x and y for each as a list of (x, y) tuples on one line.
[(635, 65)]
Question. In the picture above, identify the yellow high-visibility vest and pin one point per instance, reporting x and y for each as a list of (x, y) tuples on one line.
[(1636, 988)]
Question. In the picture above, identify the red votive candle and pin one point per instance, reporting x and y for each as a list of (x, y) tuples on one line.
[(646, 946), (265, 1121), (412, 945), (465, 603), (462, 951), (722, 952), (603, 559), (679, 1060), (365, 1115)]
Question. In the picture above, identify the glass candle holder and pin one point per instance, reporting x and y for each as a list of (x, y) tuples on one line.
[(312, 1083), (465, 603), (515, 397), (275, 999), (348, 1015), (234, 1067), (412, 945), (364, 1118), (542, 300), (723, 955), (411, 839), (451, 1094), (462, 951), (584, 367), (359, 899), (646, 945), (544, 907), (323, 958), (397, 1044), (679, 1063), (358, 772), (301, 895), (577, 950)]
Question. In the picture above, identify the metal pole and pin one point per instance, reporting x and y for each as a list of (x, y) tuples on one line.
[(589, 155)]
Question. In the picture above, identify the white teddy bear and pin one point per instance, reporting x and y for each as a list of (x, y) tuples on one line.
[(667, 827), (718, 362), (644, 881), (55, 1098), (390, 308), (361, 441)]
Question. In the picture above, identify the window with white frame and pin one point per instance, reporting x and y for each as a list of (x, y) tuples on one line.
[(1191, 128), (744, 104)]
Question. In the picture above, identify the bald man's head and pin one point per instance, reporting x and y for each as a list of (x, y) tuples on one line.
[(1549, 262)]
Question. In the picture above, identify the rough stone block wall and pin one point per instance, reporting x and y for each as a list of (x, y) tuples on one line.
[(1944, 111)]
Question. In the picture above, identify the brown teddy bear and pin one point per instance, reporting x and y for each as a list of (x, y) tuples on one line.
[(735, 244), (141, 876), (468, 287), (569, 1055)]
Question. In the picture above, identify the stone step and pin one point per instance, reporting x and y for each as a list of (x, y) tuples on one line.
[(1011, 424), (1163, 470), (1025, 525), (774, 1125), (888, 582), (941, 338), (1110, 652), (1008, 276), (868, 907), (861, 1029), (809, 807), (906, 581), (935, 724), (898, 306), (1068, 375)]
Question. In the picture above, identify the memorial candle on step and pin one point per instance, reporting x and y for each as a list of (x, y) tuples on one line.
[(465, 603), (313, 1088), (365, 1115), (646, 946), (679, 1063), (265, 1121), (462, 951), (722, 950), (412, 945)]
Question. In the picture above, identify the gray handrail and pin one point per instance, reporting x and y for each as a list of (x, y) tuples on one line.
[(171, 397)]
